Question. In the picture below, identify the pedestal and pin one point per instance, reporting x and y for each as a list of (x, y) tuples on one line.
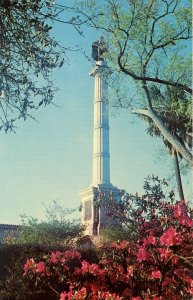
[(95, 217)]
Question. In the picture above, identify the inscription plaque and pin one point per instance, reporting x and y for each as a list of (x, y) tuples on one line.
[(87, 210)]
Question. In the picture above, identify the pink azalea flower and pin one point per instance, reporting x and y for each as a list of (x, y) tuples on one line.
[(80, 295), (55, 257), (189, 222), (181, 213), (142, 255), (66, 296), (169, 238), (109, 296), (150, 240), (156, 274), (94, 269), (164, 253), (185, 220), (28, 265), (63, 296), (72, 254), (179, 210), (40, 267), (85, 267)]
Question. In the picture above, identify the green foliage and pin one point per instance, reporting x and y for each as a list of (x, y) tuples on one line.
[(149, 43), (114, 234), (48, 233), (11, 273), (174, 107), (55, 230), (144, 35), (37, 238), (29, 53)]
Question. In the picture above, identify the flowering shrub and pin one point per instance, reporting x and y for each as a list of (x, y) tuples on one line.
[(155, 264)]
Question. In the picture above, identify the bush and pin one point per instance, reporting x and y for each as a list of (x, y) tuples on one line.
[(36, 239), (113, 234), (12, 281), (156, 264), (55, 230)]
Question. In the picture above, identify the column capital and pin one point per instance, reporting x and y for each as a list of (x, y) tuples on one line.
[(100, 68)]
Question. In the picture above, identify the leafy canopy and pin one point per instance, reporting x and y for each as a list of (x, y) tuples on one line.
[(29, 53)]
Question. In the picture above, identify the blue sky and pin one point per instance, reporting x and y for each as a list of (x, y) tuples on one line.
[(52, 159)]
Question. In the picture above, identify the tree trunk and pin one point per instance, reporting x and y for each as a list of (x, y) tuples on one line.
[(178, 175), (176, 144)]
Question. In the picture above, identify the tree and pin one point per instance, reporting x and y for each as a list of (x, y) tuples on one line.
[(148, 43), (29, 54), (175, 110)]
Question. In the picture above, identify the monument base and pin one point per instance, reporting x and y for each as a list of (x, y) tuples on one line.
[(95, 216)]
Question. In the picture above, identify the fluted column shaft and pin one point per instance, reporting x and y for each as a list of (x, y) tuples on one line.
[(101, 156)]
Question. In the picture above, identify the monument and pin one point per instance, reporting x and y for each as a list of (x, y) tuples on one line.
[(94, 217)]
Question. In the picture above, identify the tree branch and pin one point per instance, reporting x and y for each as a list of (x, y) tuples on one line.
[(166, 133), (152, 79)]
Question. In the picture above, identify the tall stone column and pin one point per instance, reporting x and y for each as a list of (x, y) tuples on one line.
[(101, 156), (94, 216)]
